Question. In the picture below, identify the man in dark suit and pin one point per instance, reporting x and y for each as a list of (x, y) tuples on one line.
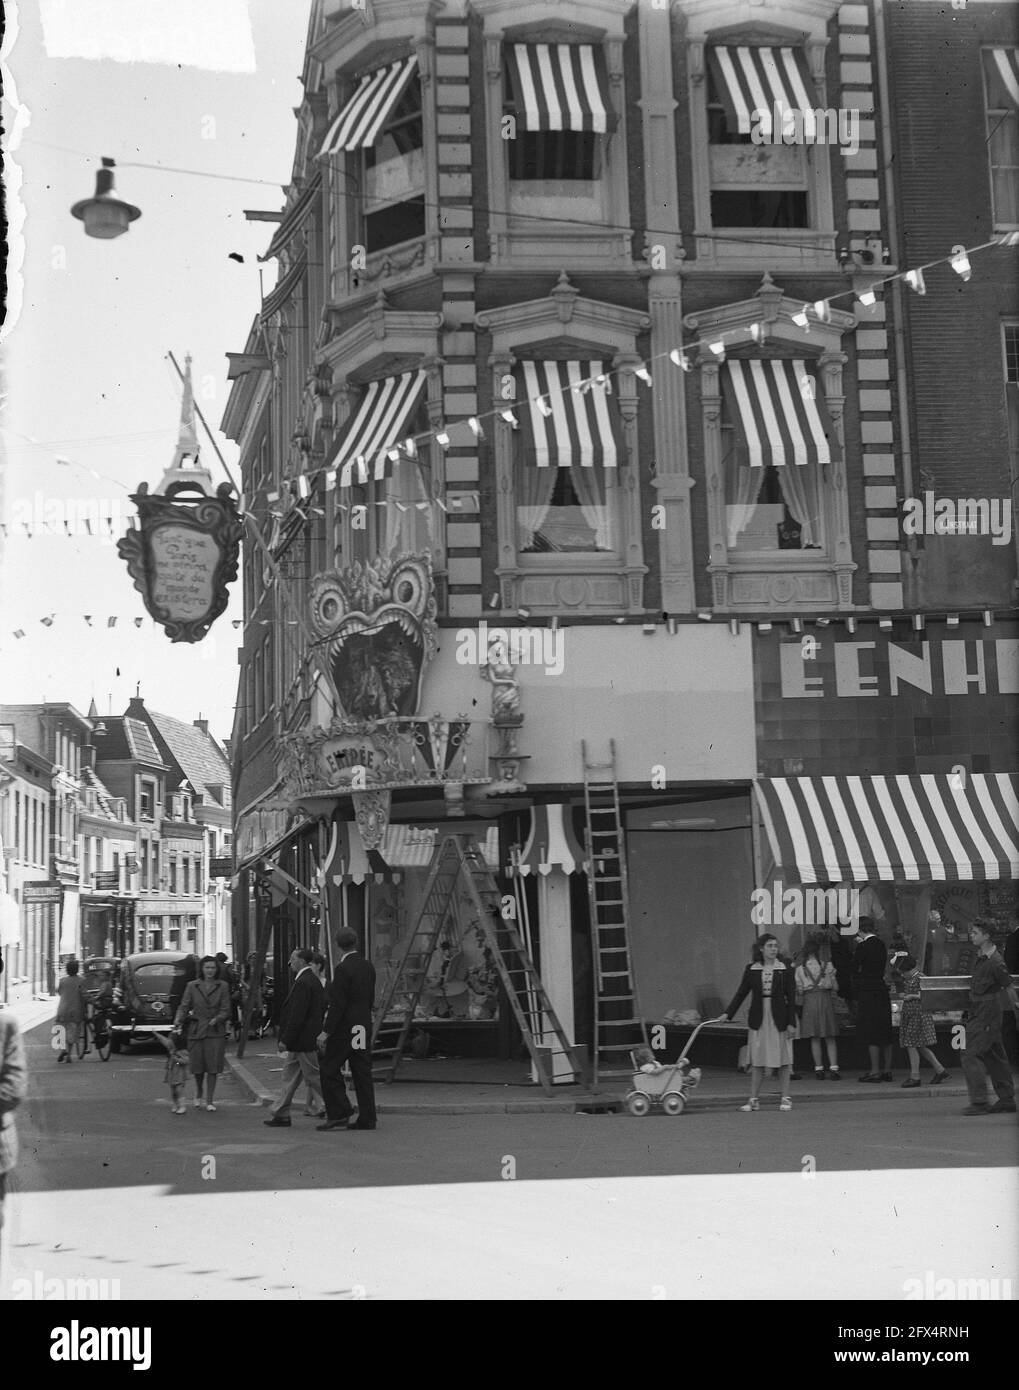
[(300, 1023), (346, 1036)]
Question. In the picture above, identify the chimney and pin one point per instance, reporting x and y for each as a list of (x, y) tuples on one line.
[(202, 724), (136, 707)]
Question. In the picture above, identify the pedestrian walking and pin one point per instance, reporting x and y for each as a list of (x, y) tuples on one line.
[(205, 1008), (771, 1020), (873, 1002), (815, 989), (346, 1037), (72, 1008), (229, 973), (176, 1073), (984, 1053), (916, 1027), (300, 1025), (312, 1107), (13, 1089)]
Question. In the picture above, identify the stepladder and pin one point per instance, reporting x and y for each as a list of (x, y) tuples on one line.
[(459, 868), (618, 1023)]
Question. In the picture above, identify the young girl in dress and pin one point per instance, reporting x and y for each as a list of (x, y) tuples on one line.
[(176, 1074), (815, 984), (916, 1027)]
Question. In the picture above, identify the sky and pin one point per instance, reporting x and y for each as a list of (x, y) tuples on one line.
[(87, 384)]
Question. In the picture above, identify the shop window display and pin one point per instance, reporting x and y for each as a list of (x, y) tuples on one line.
[(461, 982)]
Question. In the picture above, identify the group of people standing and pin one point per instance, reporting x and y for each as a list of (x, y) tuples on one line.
[(322, 1029), (789, 1001)]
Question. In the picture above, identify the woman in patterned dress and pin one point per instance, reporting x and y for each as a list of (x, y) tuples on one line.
[(916, 1027)]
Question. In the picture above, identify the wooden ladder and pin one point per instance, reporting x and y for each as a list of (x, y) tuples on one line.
[(460, 863), (619, 1026)]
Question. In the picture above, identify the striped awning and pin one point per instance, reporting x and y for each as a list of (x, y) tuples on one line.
[(367, 111), (1001, 69), (559, 86), (551, 844), (294, 218), (379, 424), (404, 847), (413, 847), (779, 404), (937, 828), (755, 80), (565, 422)]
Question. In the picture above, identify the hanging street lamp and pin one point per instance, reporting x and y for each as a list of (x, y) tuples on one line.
[(103, 215)]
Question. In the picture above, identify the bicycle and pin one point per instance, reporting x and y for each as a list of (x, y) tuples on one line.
[(98, 1028)]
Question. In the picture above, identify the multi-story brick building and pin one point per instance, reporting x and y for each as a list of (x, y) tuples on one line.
[(562, 340)]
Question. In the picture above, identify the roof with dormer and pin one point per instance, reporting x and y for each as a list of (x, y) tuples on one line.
[(198, 755)]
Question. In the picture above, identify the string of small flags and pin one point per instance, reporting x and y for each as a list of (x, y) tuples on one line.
[(818, 312), (101, 528), (95, 621)]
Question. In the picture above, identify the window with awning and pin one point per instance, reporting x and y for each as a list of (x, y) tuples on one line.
[(558, 97), (745, 83), (378, 426), (779, 435), (567, 457), (381, 127), (911, 828)]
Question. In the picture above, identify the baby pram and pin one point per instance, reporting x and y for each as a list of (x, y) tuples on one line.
[(663, 1084)]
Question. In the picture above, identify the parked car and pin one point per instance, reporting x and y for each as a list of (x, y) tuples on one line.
[(149, 994), (92, 972)]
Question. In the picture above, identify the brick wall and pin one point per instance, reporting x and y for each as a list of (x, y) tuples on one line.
[(953, 332)]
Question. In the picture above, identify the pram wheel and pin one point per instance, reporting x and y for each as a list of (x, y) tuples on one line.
[(637, 1103), (673, 1103)]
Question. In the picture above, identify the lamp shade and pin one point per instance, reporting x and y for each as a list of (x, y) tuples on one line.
[(103, 215)]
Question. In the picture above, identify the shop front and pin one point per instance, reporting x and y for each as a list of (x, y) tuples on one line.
[(888, 788), (502, 763)]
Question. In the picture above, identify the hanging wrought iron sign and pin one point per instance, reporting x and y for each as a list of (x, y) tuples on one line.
[(184, 555)]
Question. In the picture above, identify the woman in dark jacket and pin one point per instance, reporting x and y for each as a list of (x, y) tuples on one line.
[(873, 1003), (771, 1020), (206, 1009)]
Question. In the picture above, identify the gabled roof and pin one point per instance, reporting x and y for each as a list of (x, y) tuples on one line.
[(197, 754)]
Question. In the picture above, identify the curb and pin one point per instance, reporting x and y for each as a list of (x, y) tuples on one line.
[(598, 1104)]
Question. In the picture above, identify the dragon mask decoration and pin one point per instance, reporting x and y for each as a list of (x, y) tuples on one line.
[(378, 622)]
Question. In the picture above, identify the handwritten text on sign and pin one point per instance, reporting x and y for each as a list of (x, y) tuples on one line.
[(184, 563)]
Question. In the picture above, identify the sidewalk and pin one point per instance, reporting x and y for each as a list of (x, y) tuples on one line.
[(31, 1012), (484, 1087), (460, 1086)]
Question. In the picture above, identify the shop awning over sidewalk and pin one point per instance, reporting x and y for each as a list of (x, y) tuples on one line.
[(403, 847), (943, 827)]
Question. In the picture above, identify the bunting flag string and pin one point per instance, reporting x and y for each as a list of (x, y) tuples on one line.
[(92, 620), (819, 311)]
